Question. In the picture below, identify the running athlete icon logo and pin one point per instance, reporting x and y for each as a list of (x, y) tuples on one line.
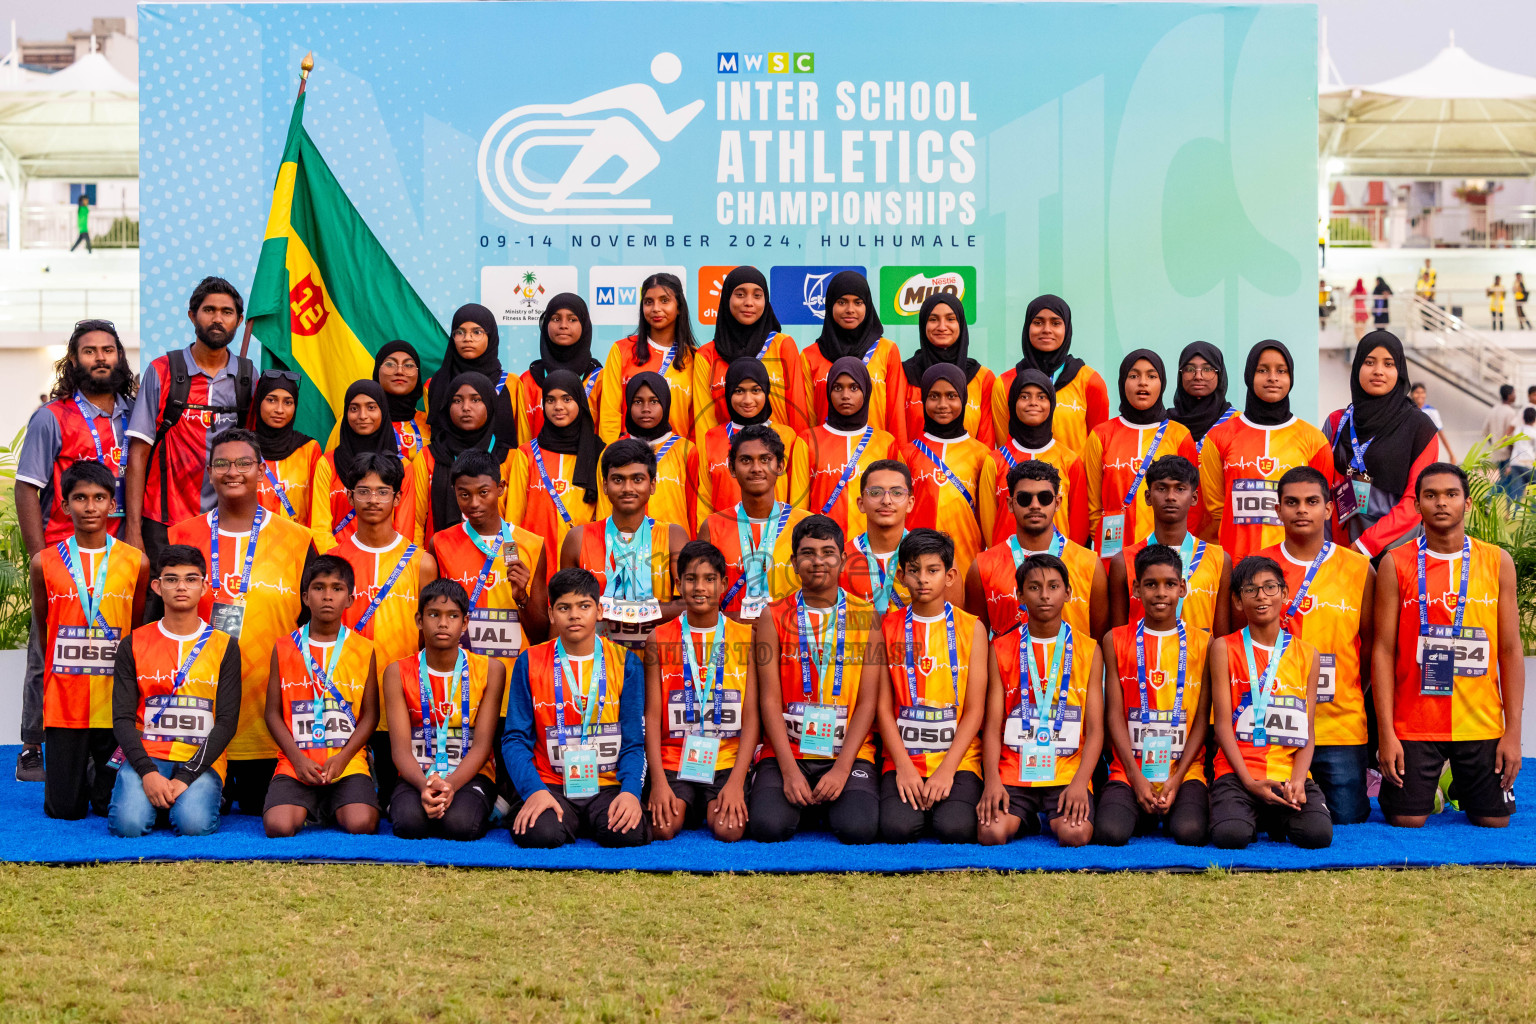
[(509, 153)]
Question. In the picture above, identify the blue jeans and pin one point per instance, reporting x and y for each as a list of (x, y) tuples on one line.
[(1513, 481), (1339, 772), (195, 812)]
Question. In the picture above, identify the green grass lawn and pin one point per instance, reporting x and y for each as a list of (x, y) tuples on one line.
[(164, 943)]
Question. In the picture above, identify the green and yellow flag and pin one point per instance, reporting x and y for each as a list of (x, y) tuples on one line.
[(326, 295)]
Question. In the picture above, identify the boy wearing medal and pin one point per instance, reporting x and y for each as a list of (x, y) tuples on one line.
[(176, 694), (821, 664), (701, 717), (869, 570), (632, 556), (1157, 710), (89, 589), (574, 741), (1263, 695), (1447, 668), (931, 711), (322, 706), (444, 704), (1045, 717)]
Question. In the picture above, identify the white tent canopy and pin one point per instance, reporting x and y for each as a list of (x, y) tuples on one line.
[(1455, 117), (78, 124)]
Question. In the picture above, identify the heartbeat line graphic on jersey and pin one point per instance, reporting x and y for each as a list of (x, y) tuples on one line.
[(1447, 601), (1130, 465), (1256, 464)]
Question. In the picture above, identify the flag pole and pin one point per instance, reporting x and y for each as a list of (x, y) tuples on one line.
[(305, 67)]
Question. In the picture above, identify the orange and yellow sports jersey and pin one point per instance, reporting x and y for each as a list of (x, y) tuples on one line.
[(77, 667), (884, 365), (605, 732), (494, 623), (1240, 469), (718, 489), (445, 686), (290, 497), (330, 507), (272, 605), (418, 481), (392, 625), (411, 437), (723, 531), (1022, 718), (1474, 710), (866, 570), (530, 503), (786, 386), (825, 687), (998, 565), (928, 724), (1162, 650), (157, 657), (1112, 457), (997, 522), (621, 366), (676, 723), (829, 453), (1203, 564), (948, 492), (1286, 723), (528, 400), (593, 556), (299, 687), (1080, 406), (677, 484), (907, 417), (1328, 617)]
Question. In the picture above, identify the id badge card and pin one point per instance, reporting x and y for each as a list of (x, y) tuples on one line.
[(1111, 536), (1437, 675), (698, 761), (1037, 760), (121, 494), (580, 772), (1344, 501), (1327, 678), (1156, 754), (228, 618), (819, 737)]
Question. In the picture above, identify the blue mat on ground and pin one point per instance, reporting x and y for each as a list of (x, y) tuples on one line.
[(27, 835)]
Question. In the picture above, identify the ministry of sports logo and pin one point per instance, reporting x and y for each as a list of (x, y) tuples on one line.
[(582, 137)]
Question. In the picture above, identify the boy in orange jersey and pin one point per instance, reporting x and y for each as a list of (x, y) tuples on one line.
[(931, 711), (1173, 488), (575, 721), (1332, 594), (1263, 696), (869, 570), (444, 704), (820, 660), (1044, 729), (90, 590), (1447, 667), (991, 582), (322, 706), (1157, 710), (701, 717), (176, 692)]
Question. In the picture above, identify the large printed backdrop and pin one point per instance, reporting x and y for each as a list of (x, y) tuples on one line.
[(1152, 163)]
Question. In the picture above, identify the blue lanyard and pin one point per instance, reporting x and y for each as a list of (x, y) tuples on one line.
[(538, 461), (429, 707), (589, 709), (501, 385), (886, 594), (180, 679), (590, 383), (378, 599), (870, 352), (661, 452), (1058, 545), (1461, 597), (90, 412), (840, 634), (751, 553), (1200, 444), (1357, 460), (954, 657), (250, 550), (1061, 668), (415, 432), (697, 686), (323, 680), (90, 600), (1008, 455), (1260, 687), (1306, 581), (490, 558), (1179, 713), (277, 488), (666, 360), (346, 519), (1146, 462), (848, 470), (917, 443), (624, 559), (1192, 553)]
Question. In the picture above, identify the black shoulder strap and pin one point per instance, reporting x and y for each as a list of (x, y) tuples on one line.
[(180, 386), (245, 372)]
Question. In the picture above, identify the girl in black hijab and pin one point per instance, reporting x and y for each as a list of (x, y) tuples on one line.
[(956, 378), (364, 428), (733, 338), (288, 456), (837, 341), (852, 367), (1059, 364), (410, 425), (1200, 414), (1035, 437), (928, 355), (1268, 405), (578, 438), (574, 356), (485, 361), (351, 442), (1156, 412), (467, 426), (745, 369), (656, 384)]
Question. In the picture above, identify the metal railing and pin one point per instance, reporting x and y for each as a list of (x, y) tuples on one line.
[(1493, 226), (54, 226), (42, 309), (1469, 358)]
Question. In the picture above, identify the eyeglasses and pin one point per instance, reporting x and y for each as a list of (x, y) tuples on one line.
[(1269, 589), (177, 582), (243, 465), (287, 375), (398, 364), (368, 493), (1024, 499), (879, 494), (1198, 370)]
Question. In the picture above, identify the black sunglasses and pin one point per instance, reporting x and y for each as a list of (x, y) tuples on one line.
[(287, 375), (1024, 499)]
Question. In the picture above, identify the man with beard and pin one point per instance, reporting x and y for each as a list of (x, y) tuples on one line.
[(189, 396), (85, 419)]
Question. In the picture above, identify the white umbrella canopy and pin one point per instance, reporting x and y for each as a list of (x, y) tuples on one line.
[(80, 124)]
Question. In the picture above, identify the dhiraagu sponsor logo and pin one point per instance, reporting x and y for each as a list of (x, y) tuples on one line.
[(903, 290)]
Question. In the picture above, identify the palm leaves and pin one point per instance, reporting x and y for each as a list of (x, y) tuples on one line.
[(1494, 519)]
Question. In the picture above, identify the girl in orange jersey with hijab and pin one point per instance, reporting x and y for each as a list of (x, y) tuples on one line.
[(839, 450), (852, 328), (1082, 399), (749, 388), (946, 469), (1031, 411), (943, 338), (553, 482), (565, 343), (746, 326)]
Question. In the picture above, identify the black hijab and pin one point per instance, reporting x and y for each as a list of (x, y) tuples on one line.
[(449, 441), (579, 438), (352, 444), (956, 377), (401, 407), (1158, 412), (1398, 430), (1256, 410), (487, 364), (747, 368), (1200, 414), (851, 366), (277, 443), (1048, 362), (734, 339), (929, 355), (576, 357), (1033, 438), (837, 341), (659, 387)]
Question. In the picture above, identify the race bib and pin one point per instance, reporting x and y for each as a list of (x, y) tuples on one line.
[(629, 622), (85, 650), (602, 738), (495, 632), (228, 618), (301, 719), (1470, 651), (1162, 722), (1285, 725), (1018, 733), (1327, 678), (458, 741), (730, 715), (926, 730), (1253, 503), (823, 717), (697, 763), (182, 719)]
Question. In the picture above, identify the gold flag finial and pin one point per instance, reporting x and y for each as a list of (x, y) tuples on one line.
[(307, 65)]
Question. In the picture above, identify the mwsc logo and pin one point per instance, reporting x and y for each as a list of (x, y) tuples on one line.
[(780, 63)]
